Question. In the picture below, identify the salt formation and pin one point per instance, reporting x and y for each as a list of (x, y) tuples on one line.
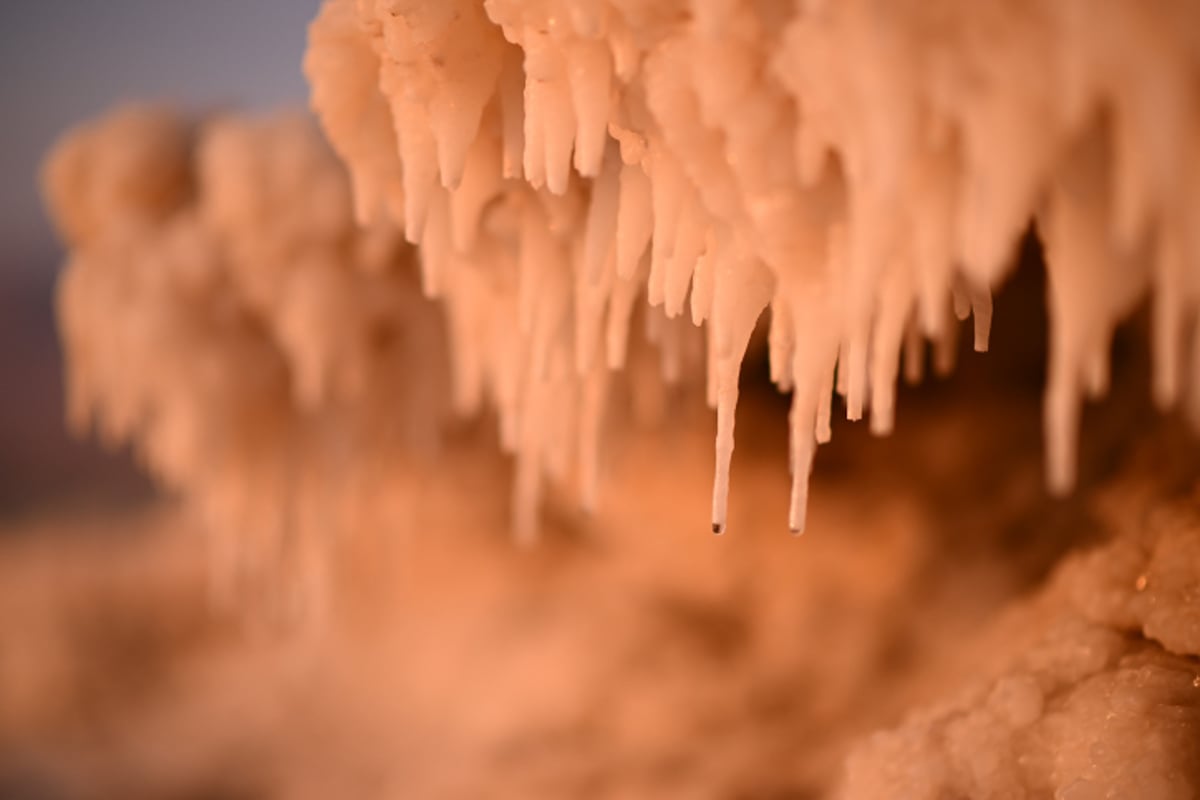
[(863, 169), (221, 312)]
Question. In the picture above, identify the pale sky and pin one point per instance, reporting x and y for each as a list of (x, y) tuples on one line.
[(62, 61)]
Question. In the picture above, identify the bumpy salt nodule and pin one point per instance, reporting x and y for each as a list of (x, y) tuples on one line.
[(860, 168)]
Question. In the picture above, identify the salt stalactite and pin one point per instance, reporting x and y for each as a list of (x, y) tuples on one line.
[(858, 166)]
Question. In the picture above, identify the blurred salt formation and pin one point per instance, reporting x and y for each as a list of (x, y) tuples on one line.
[(862, 168), (222, 314)]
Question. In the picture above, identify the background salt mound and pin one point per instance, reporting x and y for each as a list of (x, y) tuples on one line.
[(221, 313), (851, 165)]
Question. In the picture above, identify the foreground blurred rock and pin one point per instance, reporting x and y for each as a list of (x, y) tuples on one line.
[(630, 655)]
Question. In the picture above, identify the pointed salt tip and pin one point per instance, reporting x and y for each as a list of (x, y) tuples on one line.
[(962, 306), (1060, 479), (412, 237), (1060, 489), (881, 424), (718, 528), (1061, 482)]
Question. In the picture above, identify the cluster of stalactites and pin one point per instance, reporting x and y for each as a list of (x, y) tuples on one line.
[(864, 168)]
